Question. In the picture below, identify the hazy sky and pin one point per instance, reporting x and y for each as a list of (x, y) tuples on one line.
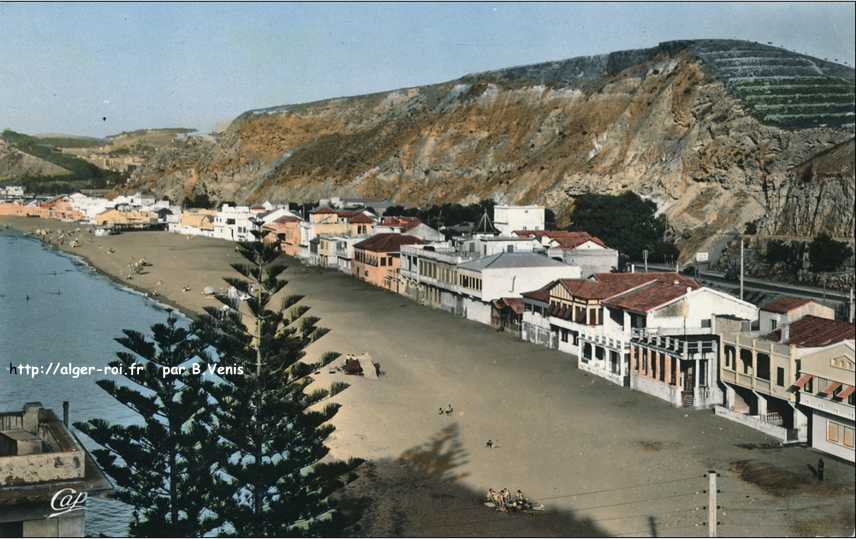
[(64, 67)]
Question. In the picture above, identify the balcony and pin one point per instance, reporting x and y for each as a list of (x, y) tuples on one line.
[(827, 405)]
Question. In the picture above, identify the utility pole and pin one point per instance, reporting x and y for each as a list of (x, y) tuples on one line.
[(645, 259), (711, 503), (741, 267)]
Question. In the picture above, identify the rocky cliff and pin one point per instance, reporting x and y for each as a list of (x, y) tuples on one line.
[(718, 133)]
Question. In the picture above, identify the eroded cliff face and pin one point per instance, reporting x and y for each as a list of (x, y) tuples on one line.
[(660, 122)]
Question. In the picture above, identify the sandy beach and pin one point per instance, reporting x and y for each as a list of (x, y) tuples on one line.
[(604, 460)]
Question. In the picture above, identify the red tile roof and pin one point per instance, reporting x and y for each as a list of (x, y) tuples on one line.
[(784, 304), (323, 210), (565, 239), (386, 243), (813, 332), (542, 294), (607, 285), (361, 218), (406, 223), (649, 297)]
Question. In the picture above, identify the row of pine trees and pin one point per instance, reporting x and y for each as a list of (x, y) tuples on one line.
[(241, 452)]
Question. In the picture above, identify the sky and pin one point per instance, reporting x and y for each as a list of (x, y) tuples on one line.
[(101, 68)]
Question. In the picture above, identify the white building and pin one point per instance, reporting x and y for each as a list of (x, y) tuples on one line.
[(90, 206), (581, 249), (505, 275), (487, 245), (507, 218), (595, 319), (12, 192), (784, 310), (234, 223)]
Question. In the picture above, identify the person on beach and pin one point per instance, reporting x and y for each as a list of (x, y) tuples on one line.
[(489, 444), (449, 410)]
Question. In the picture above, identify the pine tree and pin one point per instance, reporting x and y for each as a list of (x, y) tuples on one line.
[(271, 480), (159, 466)]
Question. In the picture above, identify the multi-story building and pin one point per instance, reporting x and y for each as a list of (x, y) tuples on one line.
[(327, 251), (345, 254), (505, 275), (581, 249), (285, 230), (828, 397), (429, 275), (761, 372), (196, 222), (377, 259), (786, 309), (594, 319), (40, 457), (326, 221), (234, 223), (507, 218)]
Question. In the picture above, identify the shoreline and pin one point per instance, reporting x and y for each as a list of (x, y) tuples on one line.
[(159, 302)]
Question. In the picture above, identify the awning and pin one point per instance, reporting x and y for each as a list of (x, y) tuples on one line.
[(848, 390), (803, 380), (830, 389)]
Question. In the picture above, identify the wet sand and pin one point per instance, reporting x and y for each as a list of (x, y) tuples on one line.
[(605, 460)]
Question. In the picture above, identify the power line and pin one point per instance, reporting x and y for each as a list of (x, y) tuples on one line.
[(585, 493)]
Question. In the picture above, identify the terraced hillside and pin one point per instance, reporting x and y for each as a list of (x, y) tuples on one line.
[(781, 87)]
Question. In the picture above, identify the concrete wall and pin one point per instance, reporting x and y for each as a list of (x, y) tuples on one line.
[(510, 283), (477, 311), (41, 467), (591, 260), (65, 526), (819, 425)]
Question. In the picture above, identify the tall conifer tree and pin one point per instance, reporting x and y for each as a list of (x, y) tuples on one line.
[(159, 465), (272, 428)]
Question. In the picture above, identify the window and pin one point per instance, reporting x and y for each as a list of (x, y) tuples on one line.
[(730, 356), (746, 359), (839, 434), (780, 376), (773, 324), (614, 365), (383, 261), (564, 335), (705, 323), (763, 365)]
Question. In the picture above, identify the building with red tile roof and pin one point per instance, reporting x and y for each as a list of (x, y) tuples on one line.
[(762, 370), (813, 332), (596, 318), (576, 248), (786, 309), (377, 259)]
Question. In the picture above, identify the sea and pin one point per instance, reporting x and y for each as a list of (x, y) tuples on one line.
[(55, 308)]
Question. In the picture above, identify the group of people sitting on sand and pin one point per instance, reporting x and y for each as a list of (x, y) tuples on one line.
[(503, 500)]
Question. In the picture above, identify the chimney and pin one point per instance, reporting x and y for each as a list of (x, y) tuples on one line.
[(31, 417), (786, 333)]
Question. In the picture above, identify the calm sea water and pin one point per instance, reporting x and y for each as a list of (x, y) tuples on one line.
[(72, 315)]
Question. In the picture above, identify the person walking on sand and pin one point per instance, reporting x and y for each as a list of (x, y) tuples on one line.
[(449, 410), (489, 444)]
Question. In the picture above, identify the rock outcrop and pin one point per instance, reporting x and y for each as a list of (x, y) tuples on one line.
[(716, 132)]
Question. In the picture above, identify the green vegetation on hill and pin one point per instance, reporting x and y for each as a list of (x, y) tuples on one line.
[(61, 141), (81, 173), (627, 223)]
